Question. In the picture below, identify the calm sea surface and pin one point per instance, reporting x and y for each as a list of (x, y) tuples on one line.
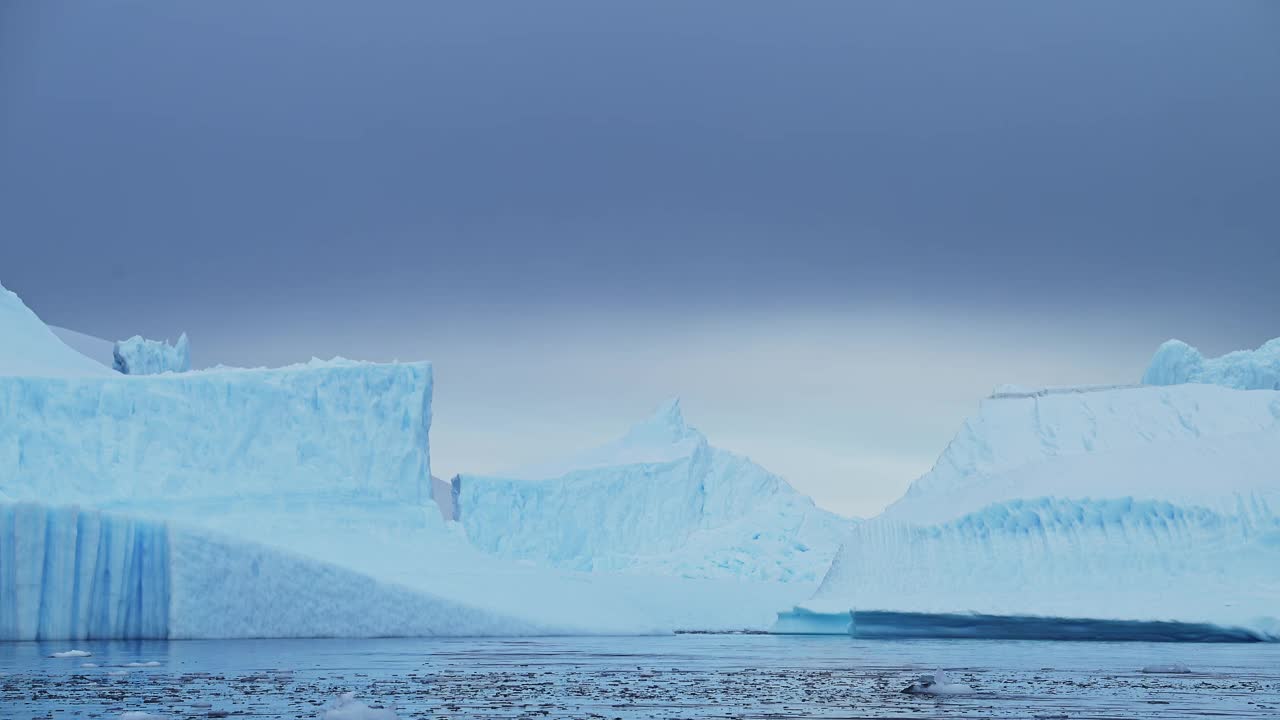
[(681, 676)]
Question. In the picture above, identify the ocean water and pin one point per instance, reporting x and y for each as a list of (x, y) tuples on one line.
[(680, 676)]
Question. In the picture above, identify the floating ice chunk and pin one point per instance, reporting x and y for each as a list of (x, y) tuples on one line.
[(88, 665), (117, 672), (346, 707), (72, 654), (1170, 669), (151, 663), (139, 715), (936, 684)]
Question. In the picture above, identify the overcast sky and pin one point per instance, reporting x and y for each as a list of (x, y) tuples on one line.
[(830, 228)]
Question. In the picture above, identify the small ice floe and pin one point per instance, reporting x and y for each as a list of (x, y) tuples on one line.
[(936, 684), (151, 663), (1170, 669), (139, 715), (347, 707), (88, 665), (117, 672), (72, 654)]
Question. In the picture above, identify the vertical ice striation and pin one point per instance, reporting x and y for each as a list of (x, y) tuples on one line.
[(1177, 362), (139, 356), (67, 574)]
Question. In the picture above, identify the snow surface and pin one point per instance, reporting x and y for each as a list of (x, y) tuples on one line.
[(139, 356), (29, 348), (1177, 362), (669, 504), (94, 348), (1199, 444)]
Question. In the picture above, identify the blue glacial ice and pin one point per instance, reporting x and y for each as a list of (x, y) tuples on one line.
[(660, 500), (1177, 362), (139, 356)]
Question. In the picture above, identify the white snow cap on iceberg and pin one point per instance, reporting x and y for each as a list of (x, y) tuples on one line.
[(1177, 362), (663, 437), (28, 348), (139, 356)]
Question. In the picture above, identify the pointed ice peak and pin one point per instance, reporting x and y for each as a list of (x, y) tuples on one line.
[(663, 437), (666, 426)]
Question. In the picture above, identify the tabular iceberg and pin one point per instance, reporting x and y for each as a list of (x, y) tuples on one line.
[(1101, 512), (659, 500), (139, 356)]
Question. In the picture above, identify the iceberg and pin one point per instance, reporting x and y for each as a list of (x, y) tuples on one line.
[(29, 348), (659, 500), (1102, 512), (94, 348), (139, 356), (1176, 362), (287, 502)]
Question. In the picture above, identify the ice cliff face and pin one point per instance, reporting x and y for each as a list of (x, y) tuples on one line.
[(324, 429), (139, 356), (1177, 362), (660, 499)]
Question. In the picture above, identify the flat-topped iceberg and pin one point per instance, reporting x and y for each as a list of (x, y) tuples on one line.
[(1094, 512)]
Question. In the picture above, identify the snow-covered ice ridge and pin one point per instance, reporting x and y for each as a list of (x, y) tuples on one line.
[(659, 500), (1177, 362), (1129, 505), (139, 356)]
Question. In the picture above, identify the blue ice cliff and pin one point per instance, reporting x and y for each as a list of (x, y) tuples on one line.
[(139, 356)]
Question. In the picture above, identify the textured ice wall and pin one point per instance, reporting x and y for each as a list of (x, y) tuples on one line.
[(139, 356), (323, 429), (1177, 362), (66, 574), (1199, 444), (1100, 559), (708, 514)]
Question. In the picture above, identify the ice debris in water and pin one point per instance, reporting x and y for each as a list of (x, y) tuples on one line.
[(935, 684), (139, 715), (346, 707), (1170, 669), (151, 663), (72, 654), (88, 665)]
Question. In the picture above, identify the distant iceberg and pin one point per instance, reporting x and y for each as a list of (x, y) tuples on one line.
[(29, 348), (139, 356), (1177, 362), (659, 500)]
